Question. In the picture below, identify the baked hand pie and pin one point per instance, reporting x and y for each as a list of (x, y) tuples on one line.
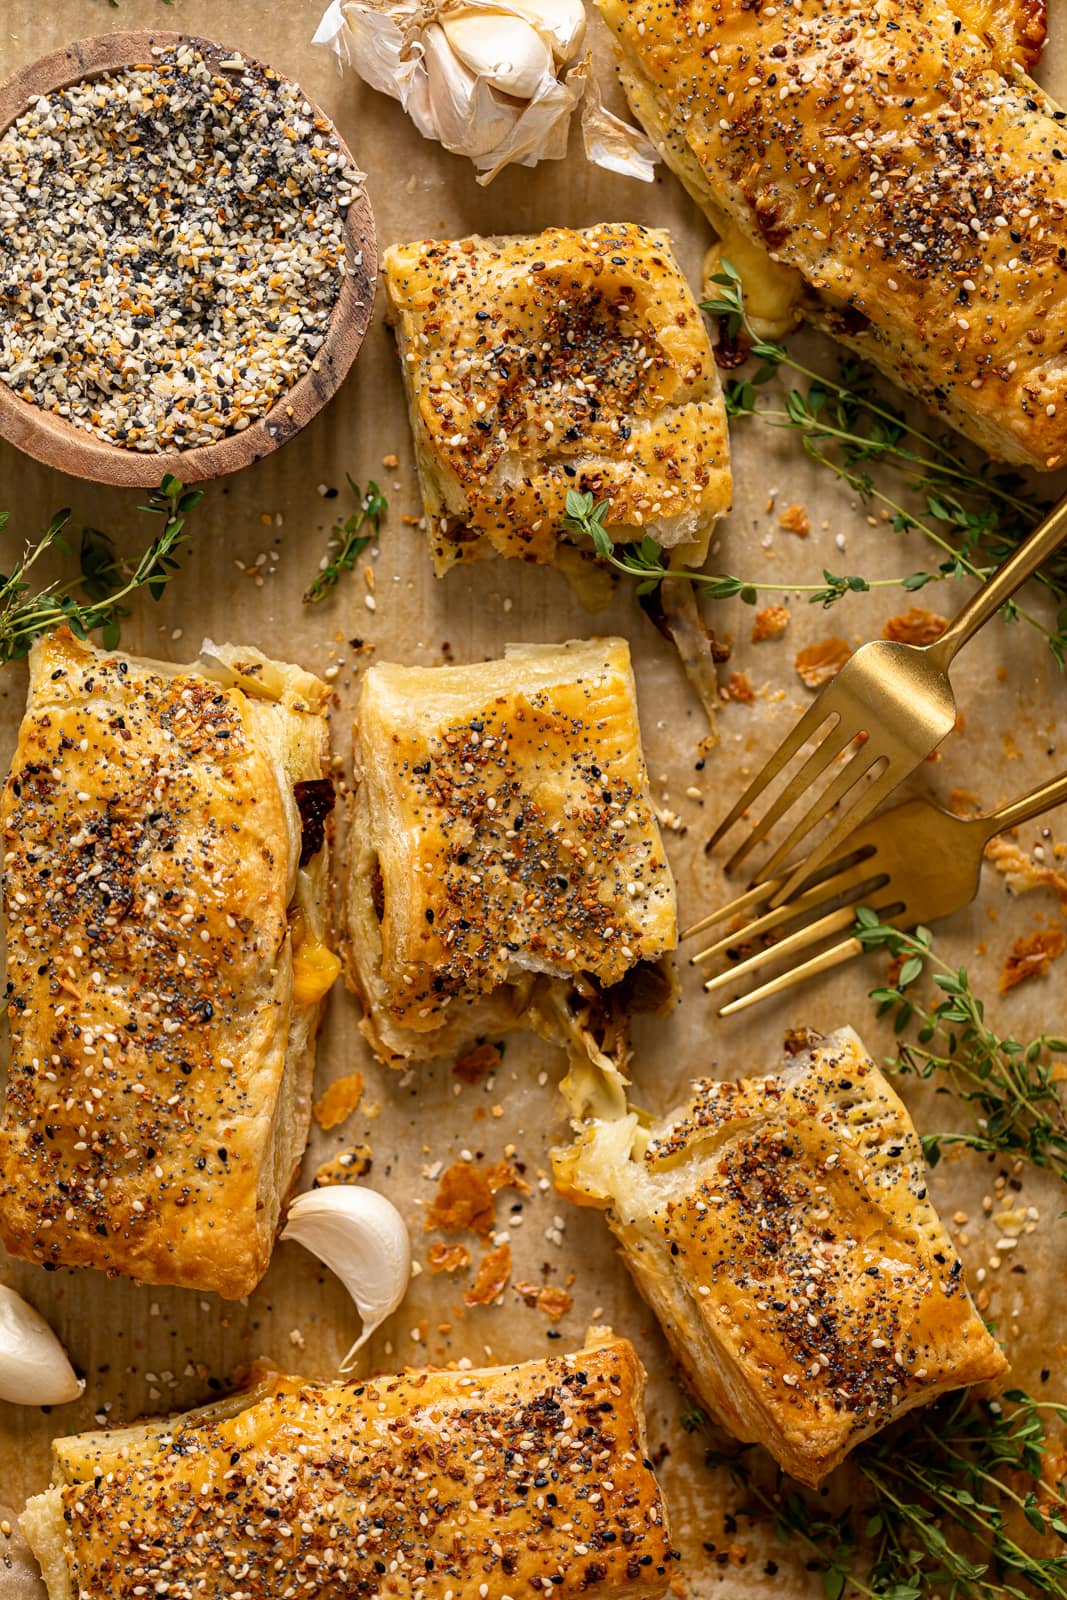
[(891, 175), (495, 1483), (564, 360), (505, 865), (165, 888), (781, 1230)]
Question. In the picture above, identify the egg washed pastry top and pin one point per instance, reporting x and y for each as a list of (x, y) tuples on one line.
[(498, 1483), (164, 883), (565, 360), (781, 1230), (898, 163), (502, 831)]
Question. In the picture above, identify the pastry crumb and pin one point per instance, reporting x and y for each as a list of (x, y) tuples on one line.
[(477, 1062), (339, 1101), (816, 664), (915, 626), (1031, 957), (547, 1298), (346, 1167), (771, 622), (739, 687), (491, 1279), (794, 519), (448, 1257)]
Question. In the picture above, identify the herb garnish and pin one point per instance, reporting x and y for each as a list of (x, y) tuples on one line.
[(644, 561), (106, 579), (347, 541), (974, 518), (1010, 1087), (947, 1484)]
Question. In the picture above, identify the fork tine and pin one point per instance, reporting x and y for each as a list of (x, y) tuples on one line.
[(751, 897), (825, 962), (854, 769), (810, 934), (828, 750), (860, 809), (812, 719), (861, 875)]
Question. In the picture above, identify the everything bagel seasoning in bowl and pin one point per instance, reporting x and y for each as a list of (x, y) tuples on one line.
[(173, 245)]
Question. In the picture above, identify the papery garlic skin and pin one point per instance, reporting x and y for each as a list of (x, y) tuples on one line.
[(488, 79), (34, 1369), (360, 1236)]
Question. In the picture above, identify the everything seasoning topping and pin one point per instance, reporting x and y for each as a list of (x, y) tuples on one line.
[(911, 174), (143, 901), (539, 853), (569, 360), (812, 1222), (172, 244), (435, 1485)]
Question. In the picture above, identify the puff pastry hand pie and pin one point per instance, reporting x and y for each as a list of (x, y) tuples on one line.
[(780, 1228), (503, 850), (889, 173), (498, 1484), (164, 883), (565, 360)]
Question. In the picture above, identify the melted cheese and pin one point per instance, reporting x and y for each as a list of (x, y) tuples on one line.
[(315, 967)]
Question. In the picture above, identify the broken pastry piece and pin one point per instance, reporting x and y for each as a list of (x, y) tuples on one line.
[(892, 175), (505, 865), (492, 1483), (565, 360), (781, 1230), (165, 882)]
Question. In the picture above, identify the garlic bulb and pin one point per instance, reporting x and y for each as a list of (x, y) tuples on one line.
[(361, 1236), (34, 1370), (494, 80)]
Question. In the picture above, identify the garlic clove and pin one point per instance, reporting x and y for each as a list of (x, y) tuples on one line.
[(503, 49), (469, 119), (360, 1235), (561, 23), (34, 1370)]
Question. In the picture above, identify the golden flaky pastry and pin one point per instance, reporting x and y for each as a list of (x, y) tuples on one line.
[(164, 883), (780, 1228), (886, 169), (503, 846), (498, 1483), (566, 360)]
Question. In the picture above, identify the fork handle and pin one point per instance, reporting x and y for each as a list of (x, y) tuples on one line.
[(1034, 804), (1042, 543)]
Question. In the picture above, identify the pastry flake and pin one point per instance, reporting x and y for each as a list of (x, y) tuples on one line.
[(168, 960), (565, 360), (502, 842), (495, 1483), (782, 1232), (897, 180)]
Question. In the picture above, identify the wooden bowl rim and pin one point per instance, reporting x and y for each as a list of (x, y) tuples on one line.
[(56, 441)]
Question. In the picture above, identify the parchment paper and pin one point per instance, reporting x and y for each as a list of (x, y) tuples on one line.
[(258, 538)]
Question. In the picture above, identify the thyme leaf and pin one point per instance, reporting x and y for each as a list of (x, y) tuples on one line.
[(975, 519), (105, 579), (347, 542), (944, 1494), (585, 519), (1010, 1087)]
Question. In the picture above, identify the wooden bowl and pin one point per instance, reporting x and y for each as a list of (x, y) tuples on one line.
[(57, 441)]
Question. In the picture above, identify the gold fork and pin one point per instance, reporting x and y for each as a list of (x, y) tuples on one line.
[(911, 865), (896, 699)]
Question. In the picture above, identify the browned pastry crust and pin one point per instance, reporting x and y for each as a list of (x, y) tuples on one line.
[(1015, 30), (889, 173), (781, 1230), (165, 951), (491, 1484), (502, 836), (565, 360)]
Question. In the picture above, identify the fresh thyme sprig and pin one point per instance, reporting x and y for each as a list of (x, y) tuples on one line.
[(585, 518), (949, 1487), (347, 541), (975, 519), (1010, 1087), (105, 579)]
